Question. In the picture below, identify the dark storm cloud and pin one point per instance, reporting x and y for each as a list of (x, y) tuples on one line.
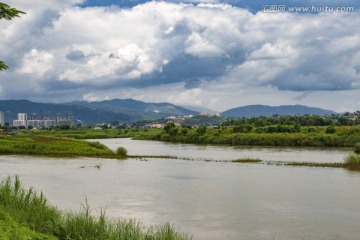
[(189, 67), (75, 55), (193, 83)]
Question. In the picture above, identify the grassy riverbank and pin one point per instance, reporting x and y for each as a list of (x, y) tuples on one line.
[(52, 146), (26, 214), (303, 136), (91, 133), (281, 135)]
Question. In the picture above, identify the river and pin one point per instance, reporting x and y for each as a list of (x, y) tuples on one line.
[(210, 200)]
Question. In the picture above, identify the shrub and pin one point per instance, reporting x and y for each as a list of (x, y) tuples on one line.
[(121, 151), (353, 160), (330, 130), (357, 147), (97, 145), (201, 130)]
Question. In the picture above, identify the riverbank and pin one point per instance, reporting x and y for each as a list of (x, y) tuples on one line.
[(26, 214), (66, 147), (305, 137), (346, 136), (54, 147), (91, 133)]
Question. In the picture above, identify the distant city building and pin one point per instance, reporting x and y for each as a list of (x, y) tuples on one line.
[(22, 116), (23, 121), (32, 116), (41, 123), (2, 118)]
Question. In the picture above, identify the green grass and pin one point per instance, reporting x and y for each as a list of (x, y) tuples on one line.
[(91, 133), (11, 229), (53, 146), (26, 214), (28, 207), (344, 137)]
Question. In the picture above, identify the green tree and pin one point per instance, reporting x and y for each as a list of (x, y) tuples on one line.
[(169, 126), (330, 129), (8, 13), (201, 130)]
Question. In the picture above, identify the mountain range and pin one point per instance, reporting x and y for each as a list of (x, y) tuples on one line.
[(264, 110), (121, 110), (129, 110)]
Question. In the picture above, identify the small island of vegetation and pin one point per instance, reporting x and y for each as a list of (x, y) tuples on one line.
[(56, 147)]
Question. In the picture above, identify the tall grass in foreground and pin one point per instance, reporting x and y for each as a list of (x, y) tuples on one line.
[(31, 209), (28, 207)]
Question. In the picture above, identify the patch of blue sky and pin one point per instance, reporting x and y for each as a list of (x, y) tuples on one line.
[(253, 5)]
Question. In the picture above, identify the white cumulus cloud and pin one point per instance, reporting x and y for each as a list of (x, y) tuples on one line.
[(113, 52)]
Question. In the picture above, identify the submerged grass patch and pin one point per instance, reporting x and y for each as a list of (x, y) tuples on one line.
[(310, 164), (247, 160), (351, 162), (28, 215)]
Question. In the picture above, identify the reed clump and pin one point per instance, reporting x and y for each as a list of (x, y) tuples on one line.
[(352, 161), (29, 215), (357, 148)]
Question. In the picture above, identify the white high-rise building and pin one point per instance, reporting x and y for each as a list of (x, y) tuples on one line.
[(2, 119), (22, 116), (21, 120)]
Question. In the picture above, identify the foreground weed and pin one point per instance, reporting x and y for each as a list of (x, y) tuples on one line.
[(33, 212)]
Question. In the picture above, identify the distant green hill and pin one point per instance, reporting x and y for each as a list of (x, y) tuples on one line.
[(264, 110), (136, 108)]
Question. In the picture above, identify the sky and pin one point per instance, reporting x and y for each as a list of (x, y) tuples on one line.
[(217, 54)]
